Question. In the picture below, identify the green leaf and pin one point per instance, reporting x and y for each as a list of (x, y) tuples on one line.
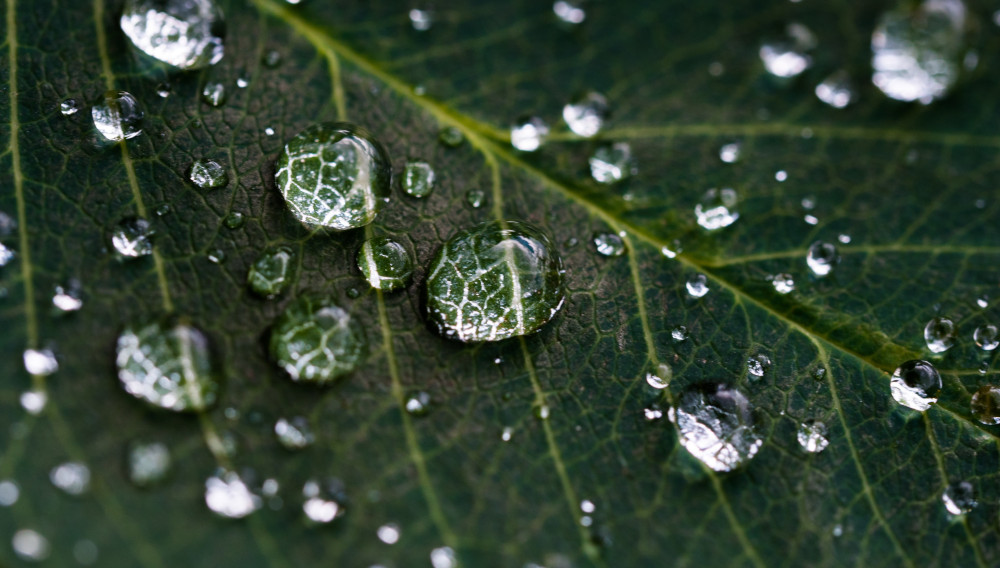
[(913, 187)]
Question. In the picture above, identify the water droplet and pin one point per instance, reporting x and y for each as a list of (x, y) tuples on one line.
[(216, 256), (324, 501), (163, 90), (788, 58), (162, 210), (984, 367), (334, 175), (272, 58), (730, 153), (184, 33), (528, 134), (421, 20), (40, 362), (652, 413), (959, 498), (587, 506), (353, 293), (715, 424), (234, 220), (443, 557), (586, 114), (386, 264), (661, 378), (507, 433), (69, 107), (758, 365), (451, 137), (983, 301), (227, 495), (821, 258), (132, 237), (939, 334), (717, 209), (418, 403), (819, 374), (569, 12), (986, 337), (609, 244), (117, 116), (612, 164), (542, 412), (475, 197), (208, 174), (71, 477), (272, 272), (697, 285), (783, 283), (679, 333), (916, 384), (6, 255), (9, 493), (242, 83), (917, 50), (294, 434), (269, 131), (985, 405), (780, 175), (316, 341), (493, 281), (34, 401), (214, 94), (811, 219), (167, 364), (418, 179), (30, 545), (836, 90), (844, 239), (812, 436), (148, 463), (388, 533)]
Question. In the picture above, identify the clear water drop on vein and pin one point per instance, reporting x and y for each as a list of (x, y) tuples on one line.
[(186, 34), (940, 334), (916, 384)]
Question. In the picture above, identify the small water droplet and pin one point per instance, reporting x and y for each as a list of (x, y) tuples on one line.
[(418, 403), (163, 90), (69, 107), (148, 463), (730, 153), (569, 12), (214, 93), (117, 116), (162, 210), (661, 378), (612, 164), (986, 337), (916, 385), (959, 498), (216, 256), (386, 264), (443, 557), (781, 175), (418, 179), (939, 334), (30, 546), (40, 362), (208, 174), (421, 20), (451, 137), (784, 283), (985, 405), (507, 433), (132, 237), (542, 412), (528, 134), (717, 209), (844, 239), (679, 333), (353, 293), (984, 367), (982, 301), (836, 90), (269, 131), (838, 531), (651, 414), (334, 175), (787, 58), (697, 285), (587, 506), (242, 83), (294, 434), (6, 254), (227, 495), (272, 58), (9, 493), (324, 501), (586, 114), (715, 425), (71, 477), (184, 33), (234, 220), (34, 401), (475, 198), (388, 533), (316, 341), (609, 244), (812, 436), (821, 258), (272, 272), (758, 365)]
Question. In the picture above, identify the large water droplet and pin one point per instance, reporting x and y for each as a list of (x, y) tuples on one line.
[(294, 434), (717, 209), (528, 134), (569, 12), (715, 424), (184, 33), (609, 244), (132, 237), (272, 272), (167, 364), (227, 495), (985, 405), (986, 337), (30, 545), (916, 385), (117, 116), (959, 498), (821, 258), (697, 285), (939, 334), (148, 463), (836, 90), (334, 175), (386, 264), (71, 477), (494, 281), (316, 341), (611, 164), (586, 114), (418, 179), (208, 174), (917, 50), (812, 436), (323, 501)]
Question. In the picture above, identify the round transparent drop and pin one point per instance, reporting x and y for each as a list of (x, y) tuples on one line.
[(569, 12), (316, 341), (939, 334), (68, 298), (783, 283), (418, 403), (386, 264), (717, 209), (186, 34), (234, 220), (661, 378), (418, 179), (208, 174), (821, 258), (69, 107), (836, 90), (227, 495), (758, 365), (132, 237), (917, 50), (985, 405), (609, 244), (388, 533), (986, 337), (295, 433), (730, 153), (783, 59), (117, 116), (40, 362), (528, 134), (421, 20), (168, 365), (334, 175), (214, 94), (612, 164), (715, 424), (475, 198), (494, 281), (959, 498), (323, 501), (271, 273), (148, 463), (73, 478), (916, 384), (697, 286), (812, 436), (586, 114), (451, 137), (30, 546)]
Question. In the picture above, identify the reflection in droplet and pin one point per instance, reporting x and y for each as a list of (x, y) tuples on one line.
[(679, 333), (34, 401), (959, 498), (528, 134), (9, 492), (69, 107), (609, 244), (812, 436), (940, 334), (758, 365), (71, 477), (132, 237), (183, 33), (418, 179), (85, 552), (717, 209), (612, 164), (272, 272), (715, 424), (836, 90), (475, 197), (986, 337), (316, 341), (117, 116), (227, 495), (30, 546), (451, 137), (916, 384), (586, 114), (783, 283), (821, 258), (697, 285), (386, 264), (214, 93), (661, 378), (208, 174), (985, 405)]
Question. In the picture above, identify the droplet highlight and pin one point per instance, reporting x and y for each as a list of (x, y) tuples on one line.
[(386, 264), (916, 384)]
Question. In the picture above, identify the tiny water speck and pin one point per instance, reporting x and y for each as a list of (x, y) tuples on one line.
[(652, 414), (586, 114), (163, 90), (34, 401), (940, 334), (69, 107), (844, 238), (587, 506), (475, 198), (507, 433), (30, 545), (836, 90), (612, 164), (148, 463), (421, 20), (916, 384), (661, 378), (214, 94), (451, 137), (132, 237), (788, 58), (781, 175), (985, 405), (294, 433), (67, 298), (697, 285), (323, 502), (679, 333), (758, 365), (71, 477), (418, 403)]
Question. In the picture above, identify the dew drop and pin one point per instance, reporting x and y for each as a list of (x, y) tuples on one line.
[(40, 362), (451, 137), (162, 210), (493, 281), (715, 424), (167, 364), (586, 114), (418, 403), (421, 20), (609, 244), (272, 58), (242, 83), (208, 174), (132, 237), (164, 90), (758, 365), (6, 254), (30, 546), (272, 272), (679, 333), (697, 286), (148, 463), (717, 209), (916, 385), (780, 175), (475, 198), (612, 164), (269, 131), (730, 153), (836, 90), (234, 220), (73, 478), (844, 239), (443, 557), (9, 493), (117, 116), (186, 34), (528, 134), (214, 94), (34, 401), (986, 337), (317, 341), (784, 283), (985, 405), (651, 414), (821, 258), (418, 179), (811, 219), (983, 301), (334, 175), (388, 533), (295, 433), (812, 436), (542, 412), (386, 264), (661, 378), (507, 433), (569, 12), (959, 498), (939, 334), (323, 501), (69, 107), (788, 58), (227, 495)]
